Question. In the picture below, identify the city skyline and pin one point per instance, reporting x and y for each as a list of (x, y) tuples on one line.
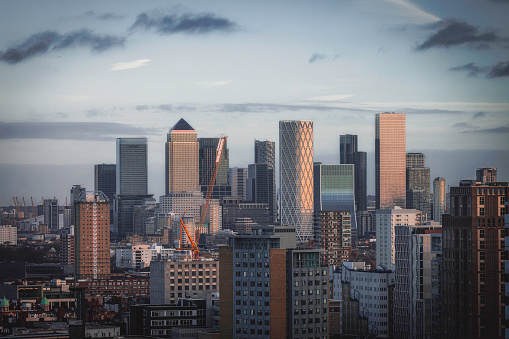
[(112, 70)]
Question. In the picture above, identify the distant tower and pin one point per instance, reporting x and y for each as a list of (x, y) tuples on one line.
[(92, 236), (51, 213), (131, 166), (181, 154), (265, 153), (418, 184), (390, 160), (237, 180), (207, 160), (265, 168), (438, 199), (105, 179), (350, 155), (296, 176), (486, 175)]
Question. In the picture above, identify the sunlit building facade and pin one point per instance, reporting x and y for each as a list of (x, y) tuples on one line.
[(390, 160), (296, 176), (438, 199)]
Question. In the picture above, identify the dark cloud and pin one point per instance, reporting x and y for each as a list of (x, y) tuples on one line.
[(495, 130), (70, 130), (186, 23), (463, 125), (44, 42), (316, 57), (454, 32), (479, 115), (141, 107), (498, 70), (165, 107), (101, 16), (471, 68)]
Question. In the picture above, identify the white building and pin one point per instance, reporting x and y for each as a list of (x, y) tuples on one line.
[(386, 220), (370, 288), (134, 256), (8, 235)]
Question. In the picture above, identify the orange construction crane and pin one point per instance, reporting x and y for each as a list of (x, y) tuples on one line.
[(26, 209), (219, 153), (33, 207), (16, 207)]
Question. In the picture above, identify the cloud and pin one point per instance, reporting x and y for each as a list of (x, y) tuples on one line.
[(463, 125), (413, 10), (185, 23), (210, 84), (472, 69), (122, 66), (165, 108), (479, 115), (316, 57), (453, 32), (499, 70), (70, 130), (44, 42), (495, 130), (101, 16), (332, 97)]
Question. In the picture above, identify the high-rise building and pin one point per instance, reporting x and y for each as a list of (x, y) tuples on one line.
[(350, 155), (333, 234), (418, 184), (105, 179), (260, 187), (265, 153), (473, 267), (334, 191), (51, 213), (438, 199), (131, 166), (486, 175), (207, 161), (296, 176), (390, 160), (237, 180), (235, 207), (92, 236), (416, 248), (386, 220), (75, 191), (181, 155)]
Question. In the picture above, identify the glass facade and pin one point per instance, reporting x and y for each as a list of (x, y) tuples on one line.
[(131, 166), (296, 176), (390, 160)]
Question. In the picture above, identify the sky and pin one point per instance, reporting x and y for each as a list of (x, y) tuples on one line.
[(75, 76)]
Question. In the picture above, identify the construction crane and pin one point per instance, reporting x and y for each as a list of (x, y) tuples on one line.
[(16, 207), (26, 209), (206, 205), (33, 207)]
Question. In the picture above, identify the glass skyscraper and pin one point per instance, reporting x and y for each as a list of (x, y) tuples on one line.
[(131, 166), (265, 153), (350, 155), (296, 176), (390, 160), (105, 179)]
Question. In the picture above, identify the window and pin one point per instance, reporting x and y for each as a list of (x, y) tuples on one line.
[(481, 201)]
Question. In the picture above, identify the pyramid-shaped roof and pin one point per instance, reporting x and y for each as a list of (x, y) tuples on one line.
[(44, 301), (4, 302), (182, 125)]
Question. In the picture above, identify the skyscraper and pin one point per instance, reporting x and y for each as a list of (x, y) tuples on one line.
[(131, 166), (265, 153), (92, 239), (390, 160), (260, 187), (296, 176), (418, 184), (181, 156), (207, 161), (438, 199), (51, 213), (486, 175), (75, 191), (473, 271), (350, 155), (237, 180), (105, 179)]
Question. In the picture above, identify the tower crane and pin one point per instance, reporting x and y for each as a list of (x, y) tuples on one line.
[(206, 204)]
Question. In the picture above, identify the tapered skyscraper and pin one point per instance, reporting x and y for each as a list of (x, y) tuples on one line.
[(181, 154), (296, 176), (390, 160)]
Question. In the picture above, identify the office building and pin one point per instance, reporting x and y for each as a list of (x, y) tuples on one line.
[(416, 248), (8, 235), (182, 277), (213, 220), (237, 180), (386, 220), (131, 166), (67, 247), (234, 207), (207, 161), (105, 179), (438, 199), (366, 224), (92, 236), (418, 184), (486, 175), (390, 160), (350, 155), (75, 192), (333, 235), (261, 188), (473, 267), (366, 297), (265, 153), (296, 176), (124, 207), (181, 159)]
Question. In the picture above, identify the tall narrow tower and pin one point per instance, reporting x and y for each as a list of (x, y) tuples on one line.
[(296, 176), (131, 166), (92, 240), (390, 160), (438, 199), (350, 155), (181, 159)]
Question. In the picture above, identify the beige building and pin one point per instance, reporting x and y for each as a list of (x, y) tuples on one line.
[(182, 159), (8, 235), (390, 160)]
